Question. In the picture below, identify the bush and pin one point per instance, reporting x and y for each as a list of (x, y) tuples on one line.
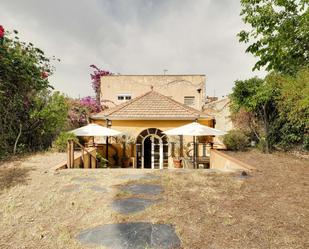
[(60, 144), (102, 162), (262, 145), (306, 142), (236, 140)]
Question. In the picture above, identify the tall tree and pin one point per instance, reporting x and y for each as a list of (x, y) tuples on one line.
[(292, 125), (279, 34), (28, 111), (257, 96)]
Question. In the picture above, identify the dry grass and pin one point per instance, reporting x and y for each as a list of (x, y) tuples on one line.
[(209, 210)]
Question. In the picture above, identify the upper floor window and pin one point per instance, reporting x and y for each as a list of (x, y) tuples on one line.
[(189, 100), (125, 96)]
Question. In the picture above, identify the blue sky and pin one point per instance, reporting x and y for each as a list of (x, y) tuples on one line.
[(134, 37)]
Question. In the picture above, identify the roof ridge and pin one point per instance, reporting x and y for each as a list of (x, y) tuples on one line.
[(181, 104), (121, 106), (186, 110)]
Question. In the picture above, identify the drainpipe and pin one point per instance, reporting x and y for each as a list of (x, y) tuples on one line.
[(199, 99)]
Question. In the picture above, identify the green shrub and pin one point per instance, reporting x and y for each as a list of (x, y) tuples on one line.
[(262, 145), (306, 142), (236, 140), (102, 162), (60, 144)]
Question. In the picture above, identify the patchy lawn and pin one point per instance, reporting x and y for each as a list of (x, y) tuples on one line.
[(41, 209)]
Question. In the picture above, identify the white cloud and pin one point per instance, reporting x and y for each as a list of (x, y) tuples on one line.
[(134, 37)]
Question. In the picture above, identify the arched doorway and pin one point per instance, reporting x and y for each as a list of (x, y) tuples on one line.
[(151, 149)]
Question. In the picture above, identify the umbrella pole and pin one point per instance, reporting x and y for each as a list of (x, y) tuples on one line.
[(194, 153), (106, 150)]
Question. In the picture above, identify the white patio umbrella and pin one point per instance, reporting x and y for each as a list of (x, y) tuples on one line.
[(95, 130), (194, 129)]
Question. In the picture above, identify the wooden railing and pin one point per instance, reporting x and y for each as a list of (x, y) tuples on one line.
[(88, 159)]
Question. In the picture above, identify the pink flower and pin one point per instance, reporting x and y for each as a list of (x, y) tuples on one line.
[(1, 32), (44, 74)]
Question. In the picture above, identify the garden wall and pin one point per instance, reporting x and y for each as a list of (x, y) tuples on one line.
[(222, 161)]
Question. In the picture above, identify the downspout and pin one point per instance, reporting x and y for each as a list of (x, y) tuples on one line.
[(199, 99)]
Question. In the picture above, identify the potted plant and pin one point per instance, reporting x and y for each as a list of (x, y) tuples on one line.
[(102, 162), (125, 161), (125, 140), (177, 160)]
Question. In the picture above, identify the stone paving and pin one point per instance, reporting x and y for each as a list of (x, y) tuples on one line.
[(99, 189), (70, 188), (140, 189), (131, 205), (138, 177), (134, 235)]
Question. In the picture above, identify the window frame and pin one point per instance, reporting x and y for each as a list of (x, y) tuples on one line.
[(191, 99), (124, 96)]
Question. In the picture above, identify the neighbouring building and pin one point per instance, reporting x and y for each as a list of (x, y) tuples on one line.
[(145, 106), (220, 110), (186, 89)]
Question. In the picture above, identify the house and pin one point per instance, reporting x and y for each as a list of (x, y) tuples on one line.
[(185, 89), (220, 110), (144, 118)]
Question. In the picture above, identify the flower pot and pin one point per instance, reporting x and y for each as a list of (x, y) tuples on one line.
[(126, 163), (177, 163)]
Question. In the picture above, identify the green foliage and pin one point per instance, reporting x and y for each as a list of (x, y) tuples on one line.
[(279, 38), (60, 144), (244, 94), (102, 162), (30, 116), (236, 140), (279, 34), (50, 115), (306, 142), (275, 109), (293, 108), (257, 96), (262, 145)]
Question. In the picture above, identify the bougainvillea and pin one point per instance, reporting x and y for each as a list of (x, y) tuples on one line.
[(77, 115), (1, 32), (90, 104), (81, 109), (44, 75), (96, 80)]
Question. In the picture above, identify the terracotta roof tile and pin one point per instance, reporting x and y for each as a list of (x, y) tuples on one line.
[(151, 105)]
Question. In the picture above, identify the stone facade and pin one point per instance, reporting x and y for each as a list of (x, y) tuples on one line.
[(186, 89)]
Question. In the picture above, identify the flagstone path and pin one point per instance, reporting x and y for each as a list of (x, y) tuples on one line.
[(137, 189), (134, 235), (131, 205), (139, 235), (138, 177)]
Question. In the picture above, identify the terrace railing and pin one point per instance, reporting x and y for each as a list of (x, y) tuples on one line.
[(88, 158)]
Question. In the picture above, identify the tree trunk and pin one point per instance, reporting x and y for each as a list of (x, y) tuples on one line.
[(266, 127), (16, 141)]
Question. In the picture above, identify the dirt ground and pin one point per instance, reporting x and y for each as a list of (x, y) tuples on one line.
[(217, 210)]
